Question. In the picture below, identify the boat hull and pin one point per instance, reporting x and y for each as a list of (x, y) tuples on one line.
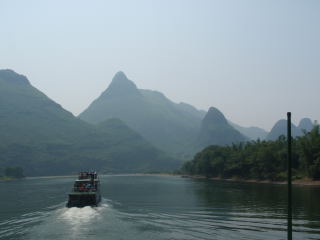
[(83, 199)]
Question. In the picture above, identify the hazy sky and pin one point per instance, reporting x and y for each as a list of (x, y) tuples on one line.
[(253, 60)]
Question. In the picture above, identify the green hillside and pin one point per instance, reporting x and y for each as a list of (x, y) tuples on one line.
[(261, 160), (43, 138)]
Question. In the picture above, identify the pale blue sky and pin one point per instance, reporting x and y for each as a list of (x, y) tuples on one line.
[(254, 60)]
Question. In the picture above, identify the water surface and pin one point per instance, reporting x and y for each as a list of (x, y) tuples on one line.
[(154, 208)]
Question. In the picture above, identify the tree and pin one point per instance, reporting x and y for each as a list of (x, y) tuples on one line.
[(310, 152), (16, 172), (264, 160)]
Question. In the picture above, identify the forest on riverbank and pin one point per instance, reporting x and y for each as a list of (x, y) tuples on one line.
[(9, 173), (260, 160)]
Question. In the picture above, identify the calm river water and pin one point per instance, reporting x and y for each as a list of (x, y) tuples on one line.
[(154, 208)]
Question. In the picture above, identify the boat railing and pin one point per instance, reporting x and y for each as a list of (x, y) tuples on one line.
[(81, 189), (87, 175)]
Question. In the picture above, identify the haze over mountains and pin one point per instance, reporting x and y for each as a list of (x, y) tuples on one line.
[(125, 129), (253, 133), (43, 138), (162, 122), (280, 128), (175, 128), (215, 130)]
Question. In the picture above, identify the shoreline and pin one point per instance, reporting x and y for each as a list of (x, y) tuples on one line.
[(62, 176), (117, 174), (6, 178), (301, 182)]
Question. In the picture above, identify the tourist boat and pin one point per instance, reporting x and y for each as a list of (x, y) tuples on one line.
[(86, 191)]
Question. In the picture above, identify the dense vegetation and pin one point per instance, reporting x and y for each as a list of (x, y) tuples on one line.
[(11, 172), (262, 160)]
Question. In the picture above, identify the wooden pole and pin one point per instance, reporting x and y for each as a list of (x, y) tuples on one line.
[(289, 179)]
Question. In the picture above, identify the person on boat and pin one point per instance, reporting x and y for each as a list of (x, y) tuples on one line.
[(81, 188), (88, 186)]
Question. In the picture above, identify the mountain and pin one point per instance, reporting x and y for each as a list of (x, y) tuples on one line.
[(280, 128), (305, 124), (253, 133), (199, 114), (43, 138), (215, 130), (165, 124)]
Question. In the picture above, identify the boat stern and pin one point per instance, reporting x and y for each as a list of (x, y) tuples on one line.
[(82, 199)]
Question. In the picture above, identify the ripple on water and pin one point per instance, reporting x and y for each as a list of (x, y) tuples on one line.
[(216, 224), (160, 214)]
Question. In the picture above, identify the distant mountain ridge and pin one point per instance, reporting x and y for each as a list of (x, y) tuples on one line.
[(172, 127), (43, 138), (280, 128), (253, 133), (122, 131), (306, 124)]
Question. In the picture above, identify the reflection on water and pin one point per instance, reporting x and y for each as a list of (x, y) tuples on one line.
[(261, 208), (157, 208), (261, 198)]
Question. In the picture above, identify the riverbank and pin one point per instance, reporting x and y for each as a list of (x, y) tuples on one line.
[(117, 174), (6, 178), (144, 174), (301, 182), (62, 176)]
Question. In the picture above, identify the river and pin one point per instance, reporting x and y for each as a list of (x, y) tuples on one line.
[(156, 207)]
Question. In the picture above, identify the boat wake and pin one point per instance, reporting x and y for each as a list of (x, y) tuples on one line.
[(78, 217), (68, 223), (59, 222)]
